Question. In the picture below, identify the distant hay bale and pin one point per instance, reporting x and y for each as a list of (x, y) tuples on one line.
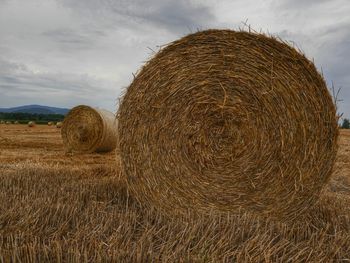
[(2, 122), (50, 123), (8, 122), (221, 120), (59, 124), (86, 129), (16, 122), (31, 124)]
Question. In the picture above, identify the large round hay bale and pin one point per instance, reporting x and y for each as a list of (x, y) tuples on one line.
[(31, 124), (50, 123), (59, 124), (221, 120), (86, 129)]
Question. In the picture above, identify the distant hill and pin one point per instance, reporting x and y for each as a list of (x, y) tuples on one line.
[(36, 109)]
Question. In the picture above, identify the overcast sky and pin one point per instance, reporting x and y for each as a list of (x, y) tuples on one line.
[(68, 52)]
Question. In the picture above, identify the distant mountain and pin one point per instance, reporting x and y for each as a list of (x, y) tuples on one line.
[(39, 109)]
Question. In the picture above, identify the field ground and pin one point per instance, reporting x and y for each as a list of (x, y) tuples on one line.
[(57, 207)]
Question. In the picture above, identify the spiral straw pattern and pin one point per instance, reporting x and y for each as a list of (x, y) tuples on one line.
[(221, 120), (88, 130)]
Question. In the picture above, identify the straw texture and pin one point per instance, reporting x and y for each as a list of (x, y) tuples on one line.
[(86, 129), (31, 124), (221, 120)]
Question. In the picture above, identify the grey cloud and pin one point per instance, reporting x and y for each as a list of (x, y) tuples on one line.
[(68, 38), (298, 4), (10, 67), (6, 86), (87, 50), (37, 86), (179, 16), (336, 54), (6, 79)]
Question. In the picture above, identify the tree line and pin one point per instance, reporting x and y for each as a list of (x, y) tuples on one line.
[(345, 124), (21, 116)]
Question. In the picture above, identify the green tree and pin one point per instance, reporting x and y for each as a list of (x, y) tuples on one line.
[(25, 117), (346, 124)]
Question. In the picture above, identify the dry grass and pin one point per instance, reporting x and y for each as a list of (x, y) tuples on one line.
[(74, 208), (220, 119), (88, 130), (59, 124), (31, 124)]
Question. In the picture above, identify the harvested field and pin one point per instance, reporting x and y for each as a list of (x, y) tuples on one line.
[(57, 207)]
